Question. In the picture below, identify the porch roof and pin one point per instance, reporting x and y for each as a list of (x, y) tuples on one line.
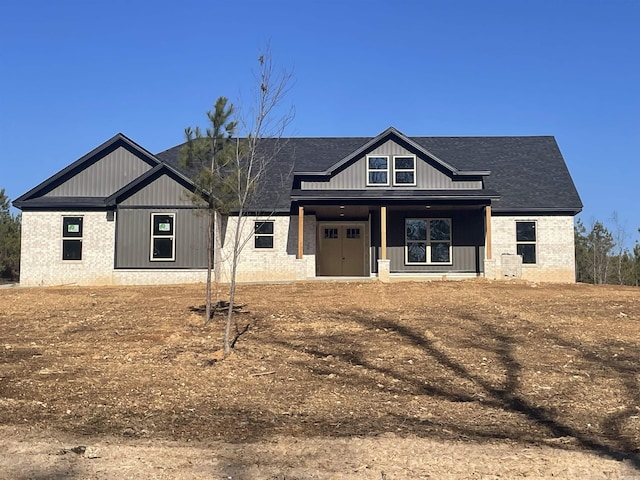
[(393, 195)]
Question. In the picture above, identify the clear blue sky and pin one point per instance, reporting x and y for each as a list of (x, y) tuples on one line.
[(74, 73)]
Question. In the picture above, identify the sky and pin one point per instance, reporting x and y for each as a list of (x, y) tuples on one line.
[(73, 73)]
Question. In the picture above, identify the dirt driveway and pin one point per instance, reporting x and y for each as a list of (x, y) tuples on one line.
[(328, 380)]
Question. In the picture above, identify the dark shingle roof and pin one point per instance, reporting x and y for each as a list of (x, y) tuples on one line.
[(528, 173)]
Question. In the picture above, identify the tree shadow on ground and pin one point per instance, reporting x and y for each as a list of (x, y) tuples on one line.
[(499, 390)]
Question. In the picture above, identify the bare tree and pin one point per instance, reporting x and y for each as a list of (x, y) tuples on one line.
[(234, 155), (620, 236), (262, 141)]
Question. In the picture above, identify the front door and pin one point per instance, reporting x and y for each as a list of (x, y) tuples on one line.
[(342, 249)]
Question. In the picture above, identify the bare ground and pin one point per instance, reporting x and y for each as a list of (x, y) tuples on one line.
[(336, 380)]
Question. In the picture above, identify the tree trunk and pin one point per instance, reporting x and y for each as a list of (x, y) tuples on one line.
[(232, 285), (211, 223)]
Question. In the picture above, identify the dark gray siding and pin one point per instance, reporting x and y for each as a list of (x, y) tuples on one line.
[(163, 191), (354, 177), (104, 177), (467, 242), (133, 238)]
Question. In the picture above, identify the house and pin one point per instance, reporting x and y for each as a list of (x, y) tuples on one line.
[(386, 207)]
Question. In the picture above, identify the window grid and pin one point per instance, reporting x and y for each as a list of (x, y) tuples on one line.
[(163, 245), (72, 233), (377, 170), (330, 233), (263, 234), (526, 241), (428, 241), (353, 233), (404, 170)]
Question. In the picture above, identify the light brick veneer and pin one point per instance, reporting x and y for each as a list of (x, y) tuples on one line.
[(42, 262), (41, 255), (555, 248), (277, 264)]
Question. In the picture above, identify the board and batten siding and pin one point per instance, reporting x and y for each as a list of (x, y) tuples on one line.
[(164, 191), (133, 238), (104, 177), (428, 177)]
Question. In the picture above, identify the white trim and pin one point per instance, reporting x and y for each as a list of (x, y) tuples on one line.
[(404, 170), (387, 171), (172, 237), (427, 242)]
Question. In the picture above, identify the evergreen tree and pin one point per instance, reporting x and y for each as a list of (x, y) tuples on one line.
[(209, 153), (9, 240)]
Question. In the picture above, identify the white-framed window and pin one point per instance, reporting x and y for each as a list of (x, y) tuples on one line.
[(72, 238), (263, 234), (526, 241), (404, 170), (163, 245), (377, 170), (428, 241)]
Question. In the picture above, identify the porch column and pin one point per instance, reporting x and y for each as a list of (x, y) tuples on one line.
[(383, 233), (300, 231), (487, 241), (384, 265)]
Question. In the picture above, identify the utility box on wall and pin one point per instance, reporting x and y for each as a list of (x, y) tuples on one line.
[(511, 265)]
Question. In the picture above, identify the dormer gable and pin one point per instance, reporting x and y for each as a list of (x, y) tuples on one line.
[(390, 160)]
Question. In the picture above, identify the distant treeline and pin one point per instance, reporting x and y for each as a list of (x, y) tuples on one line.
[(9, 240), (603, 257)]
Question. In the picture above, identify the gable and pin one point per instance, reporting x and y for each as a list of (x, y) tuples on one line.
[(104, 176), (89, 180), (429, 174), (159, 190)]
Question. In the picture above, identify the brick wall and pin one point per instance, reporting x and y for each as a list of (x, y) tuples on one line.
[(41, 256), (42, 264), (277, 264), (555, 248)]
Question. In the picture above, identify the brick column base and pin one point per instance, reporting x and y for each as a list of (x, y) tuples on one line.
[(384, 271), (490, 269)]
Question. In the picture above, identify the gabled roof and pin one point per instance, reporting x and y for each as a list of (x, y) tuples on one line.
[(35, 198), (392, 134), (527, 172), (114, 142)]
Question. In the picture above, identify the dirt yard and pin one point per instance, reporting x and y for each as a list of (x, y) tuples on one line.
[(471, 379)]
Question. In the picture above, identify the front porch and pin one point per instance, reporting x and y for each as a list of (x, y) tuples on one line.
[(400, 241)]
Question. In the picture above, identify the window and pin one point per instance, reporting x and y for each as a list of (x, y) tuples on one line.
[(71, 238), (353, 233), (330, 233), (163, 245), (377, 170), (428, 240), (526, 241), (404, 170), (263, 234)]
